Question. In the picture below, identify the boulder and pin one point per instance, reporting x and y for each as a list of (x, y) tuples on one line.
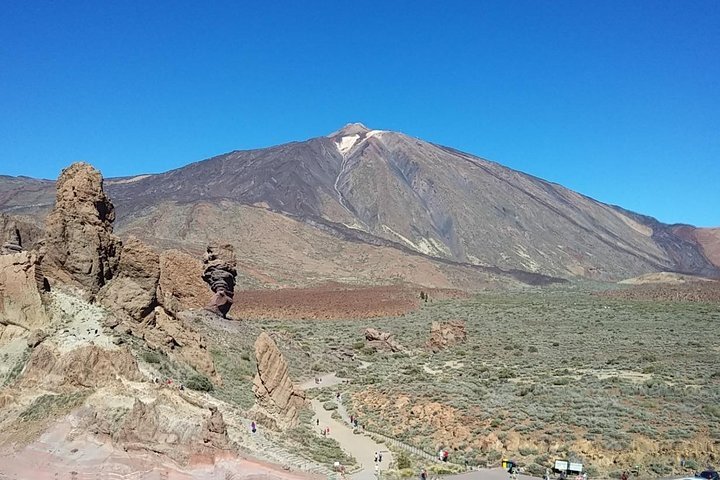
[(446, 334), (80, 248), (384, 341), (220, 272), (277, 400)]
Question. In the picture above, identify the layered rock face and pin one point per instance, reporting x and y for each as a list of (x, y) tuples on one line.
[(80, 248), (220, 272), (16, 234), (382, 340), (446, 334), (88, 366), (277, 401), (21, 287)]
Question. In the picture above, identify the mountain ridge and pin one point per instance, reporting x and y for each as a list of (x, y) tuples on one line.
[(431, 199)]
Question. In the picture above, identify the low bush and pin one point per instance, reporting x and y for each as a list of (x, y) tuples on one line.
[(200, 383)]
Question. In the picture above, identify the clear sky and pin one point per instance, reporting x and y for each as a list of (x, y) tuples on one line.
[(619, 100)]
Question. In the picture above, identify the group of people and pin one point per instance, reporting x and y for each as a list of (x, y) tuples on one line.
[(168, 382), (378, 457)]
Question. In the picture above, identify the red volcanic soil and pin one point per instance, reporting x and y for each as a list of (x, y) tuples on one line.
[(334, 301), (708, 291)]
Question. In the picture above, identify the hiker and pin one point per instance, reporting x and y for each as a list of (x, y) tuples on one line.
[(446, 454), (253, 427), (352, 419), (547, 474), (376, 457), (423, 474), (318, 422), (380, 457), (584, 475), (356, 423), (337, 396)]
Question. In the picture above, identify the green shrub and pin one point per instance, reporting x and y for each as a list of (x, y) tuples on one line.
[(151, 356), (535, 469), (200, 383), (403, 461), (330, 406)]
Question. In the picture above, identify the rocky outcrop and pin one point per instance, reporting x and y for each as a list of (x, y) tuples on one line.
[(133, 298), (21, 288), (89, 366), (446, 334), (277, 401), (80, 248), (181, 286), (383, 341), (17, 234), (158, 427), (132, 293), (12, 243), (176, 337), (220, 272), (215, 431)]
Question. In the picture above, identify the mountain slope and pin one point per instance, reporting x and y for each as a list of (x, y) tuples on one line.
[(378, 186)]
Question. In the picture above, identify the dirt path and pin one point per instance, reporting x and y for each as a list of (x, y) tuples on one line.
[(360, 446), (327, 380)]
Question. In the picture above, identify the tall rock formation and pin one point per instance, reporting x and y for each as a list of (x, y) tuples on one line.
[(277, 401), (80, 248), (133, 299), (220, 272)]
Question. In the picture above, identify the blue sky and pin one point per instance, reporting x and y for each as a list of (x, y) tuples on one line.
[(617, 100)]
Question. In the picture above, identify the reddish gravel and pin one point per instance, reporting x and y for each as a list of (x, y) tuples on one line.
[(687, 292), (333, 301)]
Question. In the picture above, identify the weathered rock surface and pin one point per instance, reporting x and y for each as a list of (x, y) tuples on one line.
[(80, 248), (133, 290), (17, 234), (215, 430), (132, 297), (446, 334), (181, 286), (220, 272), (21, 285), (89, 366), (155, 426), (384, 341), (277, 400), (176, 337)]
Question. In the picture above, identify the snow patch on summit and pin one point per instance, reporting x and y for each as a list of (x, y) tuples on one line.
[(346, 143)]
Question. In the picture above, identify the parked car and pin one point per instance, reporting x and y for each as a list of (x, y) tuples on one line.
[(709, 475)]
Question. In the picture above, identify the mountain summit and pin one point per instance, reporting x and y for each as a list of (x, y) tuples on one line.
[(385, 188)]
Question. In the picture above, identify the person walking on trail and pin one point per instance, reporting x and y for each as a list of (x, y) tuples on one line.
[(317, 422), (376, 457), (423, 474), (253, 427), (379, 457), (352, 419)]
